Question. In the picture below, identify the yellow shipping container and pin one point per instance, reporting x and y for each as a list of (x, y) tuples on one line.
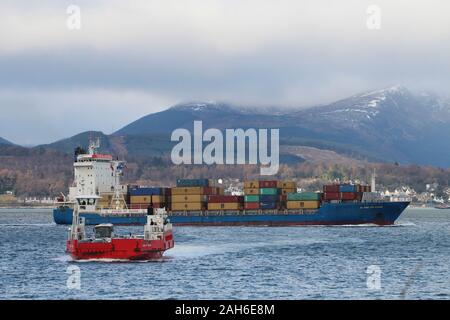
[(287, 184), (285, 191), (157, 199), (303, 204), (188, 198), (251, 191), (224, 206), (187, 190), (188, 206), (140, 199), (251, 184)]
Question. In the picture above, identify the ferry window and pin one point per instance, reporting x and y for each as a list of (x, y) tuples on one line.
[(91, 201)]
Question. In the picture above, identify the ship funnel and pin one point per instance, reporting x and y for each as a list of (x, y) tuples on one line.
[(373, 183)]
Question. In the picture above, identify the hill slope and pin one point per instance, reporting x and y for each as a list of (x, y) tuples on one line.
[(5, 142), (391, 124)]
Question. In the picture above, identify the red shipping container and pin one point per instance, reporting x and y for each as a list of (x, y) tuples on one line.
[(225, 199), (283, 198), (251, 206), (332, 188), (209, 190), (349, 195), (331, 196), (268, 184)]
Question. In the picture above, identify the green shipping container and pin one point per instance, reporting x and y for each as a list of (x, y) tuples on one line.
[(303, 196), (251, 198), (268, 191)]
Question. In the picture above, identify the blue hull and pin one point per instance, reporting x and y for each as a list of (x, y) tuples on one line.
[(381, 213)]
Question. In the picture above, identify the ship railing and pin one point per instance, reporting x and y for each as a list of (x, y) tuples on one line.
[(126, 212)]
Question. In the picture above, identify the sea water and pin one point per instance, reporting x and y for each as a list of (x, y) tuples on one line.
[(407, 261)]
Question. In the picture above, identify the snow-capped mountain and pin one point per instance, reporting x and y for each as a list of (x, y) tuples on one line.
[(390, 124), (5, 142)]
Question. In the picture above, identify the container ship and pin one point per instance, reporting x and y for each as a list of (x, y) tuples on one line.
[(200, 202)]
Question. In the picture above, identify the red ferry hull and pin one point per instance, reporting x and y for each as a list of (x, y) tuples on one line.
[(120, 248)]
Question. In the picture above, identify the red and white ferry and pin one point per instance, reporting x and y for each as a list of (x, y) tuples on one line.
[(104, 244)]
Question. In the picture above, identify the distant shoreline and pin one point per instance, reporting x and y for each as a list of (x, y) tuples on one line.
[(21, 206)]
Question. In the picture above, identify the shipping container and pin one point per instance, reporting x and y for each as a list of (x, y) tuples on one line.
[(268, 205), (144, 191), (287, 185), (348, 188), (286, 191), (251, 205), (253, 191), (192, 183), (225, 206), (331, 196), (251, 198), (158, 199), (303, 204), (268, 198), (268, 184), (188, 206), (251, 184), (301, 196), (331, 188), (194, 190), (269, 191), (224, 199), (189, 198), (351, 196), (140, 199)]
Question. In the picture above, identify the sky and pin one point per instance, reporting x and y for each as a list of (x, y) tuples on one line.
[(132, 58)]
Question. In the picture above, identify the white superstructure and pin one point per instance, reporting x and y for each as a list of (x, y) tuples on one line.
[(96, 174)]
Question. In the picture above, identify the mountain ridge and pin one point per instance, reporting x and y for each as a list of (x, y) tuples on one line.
[(387, 125), (5, 142)]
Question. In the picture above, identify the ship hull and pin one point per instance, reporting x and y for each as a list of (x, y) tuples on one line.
[(120, 249), (351, 213)]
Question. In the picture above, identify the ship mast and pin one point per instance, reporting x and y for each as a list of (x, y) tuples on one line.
[(118, 198)]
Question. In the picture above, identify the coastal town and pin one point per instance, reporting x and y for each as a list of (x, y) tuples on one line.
[(428, 198)]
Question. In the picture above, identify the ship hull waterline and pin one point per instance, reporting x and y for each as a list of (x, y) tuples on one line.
[(379, 213)]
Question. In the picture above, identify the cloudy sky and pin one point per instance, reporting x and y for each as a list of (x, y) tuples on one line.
[(131, 58)]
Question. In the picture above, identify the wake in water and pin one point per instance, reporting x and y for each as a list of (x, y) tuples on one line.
[(370, 225), (28, 225), (68, 259)]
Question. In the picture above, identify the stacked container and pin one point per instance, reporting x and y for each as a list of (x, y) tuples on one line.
[(192, 194), (141, 197), (267, 194), (344, 192), (286, 187), (221, 202), (303, 200)]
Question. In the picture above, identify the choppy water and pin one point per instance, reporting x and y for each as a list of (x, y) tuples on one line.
[(237, 262)]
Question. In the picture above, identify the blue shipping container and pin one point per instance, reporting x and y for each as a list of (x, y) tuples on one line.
[(192, 183), (268, 198), (347, 188), (268, 205), (146, 192)]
